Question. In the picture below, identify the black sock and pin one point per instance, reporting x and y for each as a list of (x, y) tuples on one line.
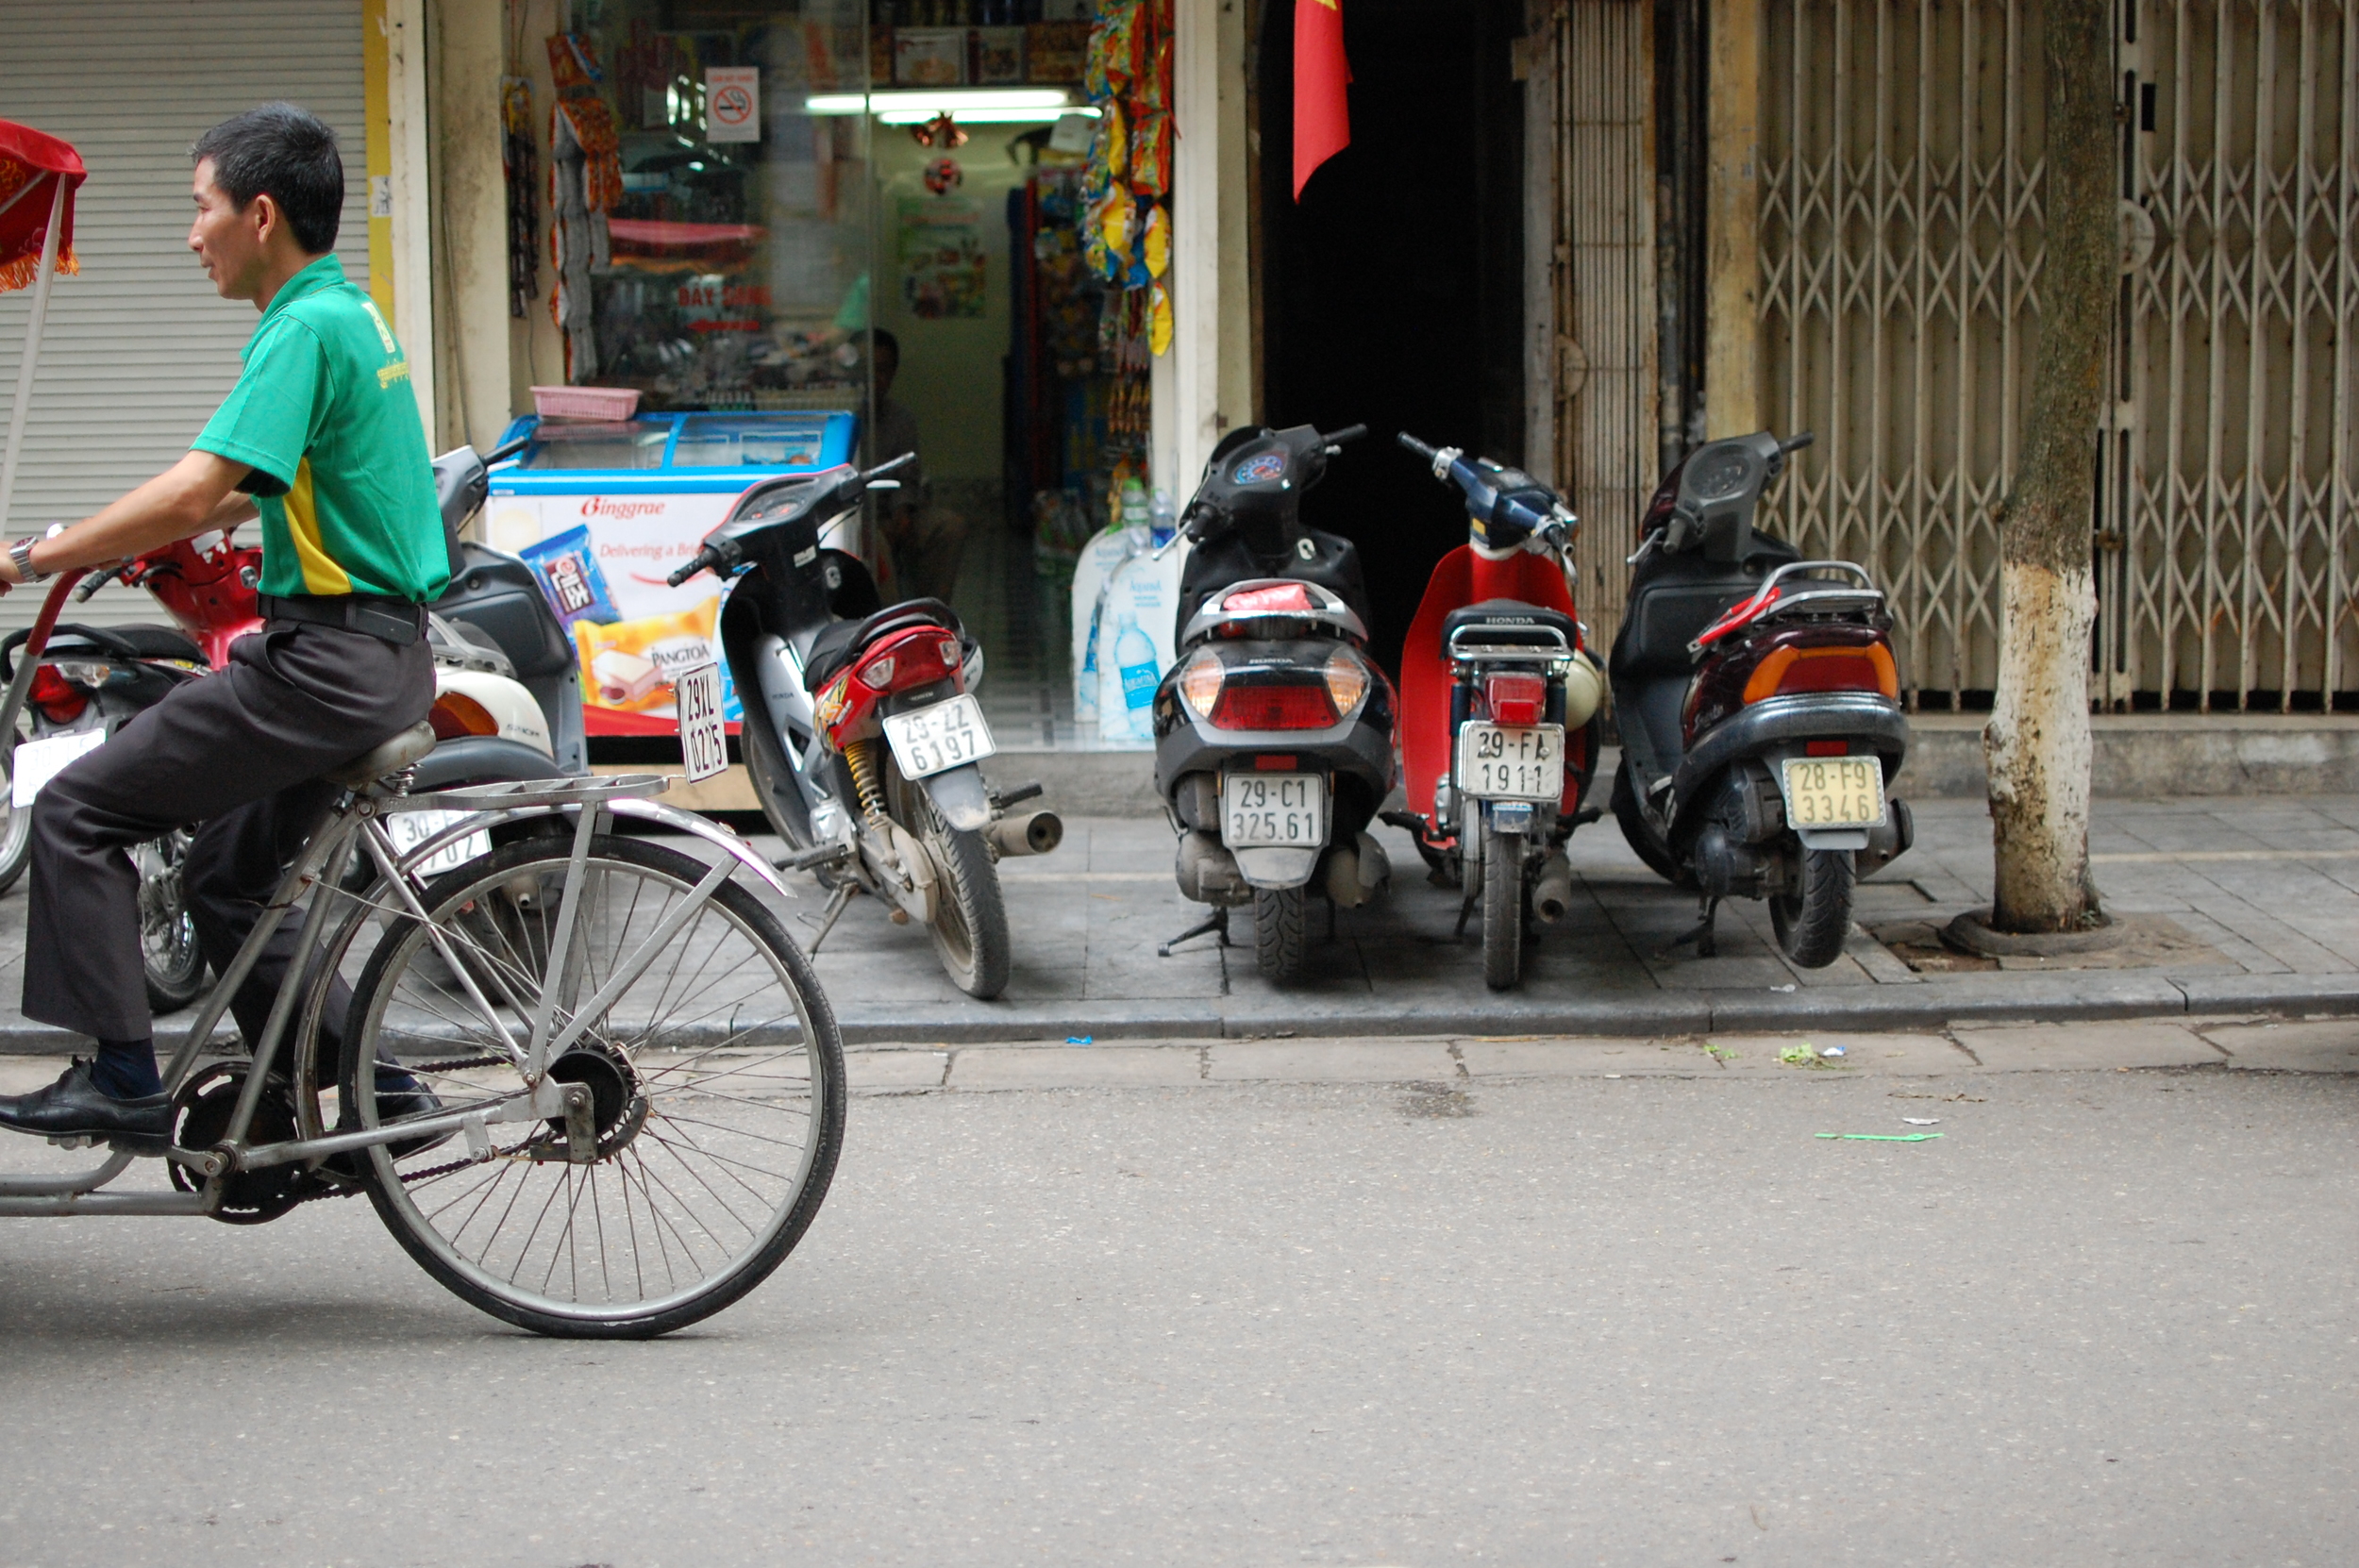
[(125, 1069)]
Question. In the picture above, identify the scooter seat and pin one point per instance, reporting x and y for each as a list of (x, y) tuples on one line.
[(839, 641), (139, 641), (1511, 623)]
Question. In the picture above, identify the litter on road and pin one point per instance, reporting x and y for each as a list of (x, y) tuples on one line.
[(1883, 1137)]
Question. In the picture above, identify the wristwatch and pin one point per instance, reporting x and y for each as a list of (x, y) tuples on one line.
[(22, 554)]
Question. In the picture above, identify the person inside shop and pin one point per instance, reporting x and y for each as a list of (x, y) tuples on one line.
[(926, 541), (321, 437)]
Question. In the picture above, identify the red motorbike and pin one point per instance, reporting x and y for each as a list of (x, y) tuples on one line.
[(1498, 709)]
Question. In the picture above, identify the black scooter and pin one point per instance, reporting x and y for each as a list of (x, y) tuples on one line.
[(1759, 708), (1274, 729)]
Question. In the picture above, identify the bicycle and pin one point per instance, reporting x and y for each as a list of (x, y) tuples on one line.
[(640, 1082)]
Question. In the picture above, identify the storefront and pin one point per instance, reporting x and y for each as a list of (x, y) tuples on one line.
[(961, 225)]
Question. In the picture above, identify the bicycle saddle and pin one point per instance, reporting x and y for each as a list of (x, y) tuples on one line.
[(388, 757)]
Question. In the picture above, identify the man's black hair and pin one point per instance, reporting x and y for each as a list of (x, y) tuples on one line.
[(288, 153), (879, 338)]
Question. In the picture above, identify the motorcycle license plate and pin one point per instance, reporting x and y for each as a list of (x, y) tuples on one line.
[(36, 762), (409, 829), (1496, 762), (1273, 810), (1834, 792), (704, 731), (939, 737)]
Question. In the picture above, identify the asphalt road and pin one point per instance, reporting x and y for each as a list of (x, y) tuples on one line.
[(2105, 1317)]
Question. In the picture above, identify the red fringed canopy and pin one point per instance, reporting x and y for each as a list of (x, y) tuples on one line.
[(30, 161)]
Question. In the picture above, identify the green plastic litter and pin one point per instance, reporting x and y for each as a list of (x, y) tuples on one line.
[(1883, 1137)]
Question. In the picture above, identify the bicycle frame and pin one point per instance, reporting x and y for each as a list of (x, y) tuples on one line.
[(318, 871)]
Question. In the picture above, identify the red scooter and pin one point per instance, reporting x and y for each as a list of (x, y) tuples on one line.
[(1498, 709)]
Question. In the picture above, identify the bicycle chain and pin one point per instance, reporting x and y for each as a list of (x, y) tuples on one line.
[(431, 1171)]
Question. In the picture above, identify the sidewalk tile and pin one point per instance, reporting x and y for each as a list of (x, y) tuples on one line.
[(1373, 1061), (2083, 1046), (871, 1071), (1076, 1066), (2329, 1046), (1863, 1054), (1585, 1056)]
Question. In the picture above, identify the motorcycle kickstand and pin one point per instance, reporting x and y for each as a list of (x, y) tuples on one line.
[(1465, 912), (1707, 944), (1217, 922), (827, 917)]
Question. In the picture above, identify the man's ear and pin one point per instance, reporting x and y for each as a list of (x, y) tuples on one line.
[(264, 214)]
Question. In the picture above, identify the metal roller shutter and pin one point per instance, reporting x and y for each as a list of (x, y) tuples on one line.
[(139, 349)]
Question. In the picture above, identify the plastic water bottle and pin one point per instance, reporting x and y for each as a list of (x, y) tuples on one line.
[(1136, 516), (1134, 654), (1163, 519)]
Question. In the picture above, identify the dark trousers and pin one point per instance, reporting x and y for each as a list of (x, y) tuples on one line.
[(238, 751)]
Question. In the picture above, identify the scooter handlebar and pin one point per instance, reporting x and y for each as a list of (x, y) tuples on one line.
[(1794, 443), (1413, 444), (702, 560), (1347, 434)]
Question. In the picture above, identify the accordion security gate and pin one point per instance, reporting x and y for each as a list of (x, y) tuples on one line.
[(1900, 248)]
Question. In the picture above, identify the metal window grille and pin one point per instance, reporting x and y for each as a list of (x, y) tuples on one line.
[(1900, 246)]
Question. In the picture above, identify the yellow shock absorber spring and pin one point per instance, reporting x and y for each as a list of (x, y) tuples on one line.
[(861, 756)]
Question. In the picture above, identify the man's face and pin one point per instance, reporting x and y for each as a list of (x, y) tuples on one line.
[(888, 365), (232, 244)]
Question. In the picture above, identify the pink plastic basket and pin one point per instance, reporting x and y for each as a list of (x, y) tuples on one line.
[(600, 403)]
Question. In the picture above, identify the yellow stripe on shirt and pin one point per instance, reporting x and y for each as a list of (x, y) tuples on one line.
[(321, 574)]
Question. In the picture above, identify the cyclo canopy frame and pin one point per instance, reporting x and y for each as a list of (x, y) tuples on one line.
[(319, 872)]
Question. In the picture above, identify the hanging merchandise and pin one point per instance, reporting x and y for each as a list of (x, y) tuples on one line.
[(520, 167), (941, 131), (1155, 250), (585, 181), (1159, 325), (943, 175)]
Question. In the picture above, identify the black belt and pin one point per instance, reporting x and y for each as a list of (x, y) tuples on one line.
[(394, 620)]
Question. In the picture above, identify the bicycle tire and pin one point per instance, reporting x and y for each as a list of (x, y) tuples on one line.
[(662, 1221), (1503, 910)]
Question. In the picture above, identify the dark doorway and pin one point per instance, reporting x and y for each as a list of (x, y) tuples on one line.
[(1393, 293)]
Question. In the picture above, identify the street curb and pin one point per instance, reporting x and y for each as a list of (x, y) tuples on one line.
[(2085, 996)]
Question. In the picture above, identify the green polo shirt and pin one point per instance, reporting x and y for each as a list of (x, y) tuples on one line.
[(325, 421)]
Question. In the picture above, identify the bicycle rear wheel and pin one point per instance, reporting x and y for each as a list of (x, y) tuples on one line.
[(716, 1078)]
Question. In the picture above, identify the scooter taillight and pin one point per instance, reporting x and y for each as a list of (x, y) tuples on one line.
[(1516, 698), (1791, 672), (455, 715), (56, 697), (913, 658), (1258, 707)]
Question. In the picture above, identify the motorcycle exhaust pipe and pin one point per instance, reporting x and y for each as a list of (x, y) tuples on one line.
[(1026, 833), (1552, 893)]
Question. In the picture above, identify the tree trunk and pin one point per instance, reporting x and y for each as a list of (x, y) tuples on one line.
[(2037, 742)]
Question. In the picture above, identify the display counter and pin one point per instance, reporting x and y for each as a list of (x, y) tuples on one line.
[(603, 511)]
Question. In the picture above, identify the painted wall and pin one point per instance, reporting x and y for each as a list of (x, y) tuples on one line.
[(950, 367)]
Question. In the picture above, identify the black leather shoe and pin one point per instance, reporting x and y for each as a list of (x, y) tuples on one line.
[(73, 1107)]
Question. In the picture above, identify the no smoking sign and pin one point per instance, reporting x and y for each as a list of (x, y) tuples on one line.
[(733, 103)]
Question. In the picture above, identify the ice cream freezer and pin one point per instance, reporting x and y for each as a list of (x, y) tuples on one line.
[(603, 510)]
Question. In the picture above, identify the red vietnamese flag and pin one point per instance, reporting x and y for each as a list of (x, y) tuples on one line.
[(1322, 112)]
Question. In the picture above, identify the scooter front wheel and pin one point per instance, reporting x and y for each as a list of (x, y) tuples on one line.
[(1813, 923), (1503, 910), (1281, 932)]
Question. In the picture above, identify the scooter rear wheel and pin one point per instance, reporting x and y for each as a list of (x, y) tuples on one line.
[(970, 924), (1638, 833), (1813, 923), (1503, 910), (1281, 932)]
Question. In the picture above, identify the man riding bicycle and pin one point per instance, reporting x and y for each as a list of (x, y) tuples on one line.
[(321, 436)]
